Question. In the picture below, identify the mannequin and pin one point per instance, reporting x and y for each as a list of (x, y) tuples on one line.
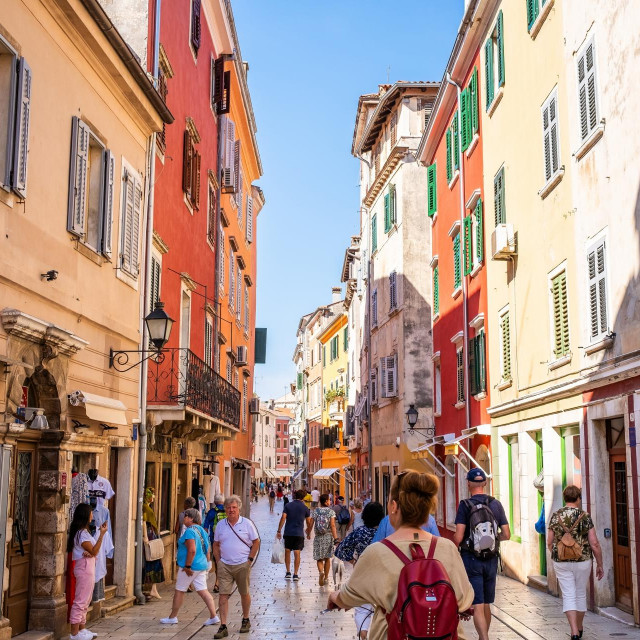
[(99, 487), (214, 489)]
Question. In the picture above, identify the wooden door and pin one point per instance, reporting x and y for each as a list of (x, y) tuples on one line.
[(620, 521), (16, 603)]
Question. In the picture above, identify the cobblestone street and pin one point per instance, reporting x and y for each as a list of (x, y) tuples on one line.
[(283, 609)]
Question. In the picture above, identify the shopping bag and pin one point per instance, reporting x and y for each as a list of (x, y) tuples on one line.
[(277, 552)]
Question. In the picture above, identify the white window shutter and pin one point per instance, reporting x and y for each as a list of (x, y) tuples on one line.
[(107, 206), (221, 270), (249, 230), (232, 283), (374, 386), (21, 146), (374, 307), (391, 376), (587, 91), (598, 324), (78, 177), (239, 294), (135, 227), (383, 378), (239, 197)]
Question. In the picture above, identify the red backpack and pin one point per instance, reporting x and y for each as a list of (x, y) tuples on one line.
[(426, 606)]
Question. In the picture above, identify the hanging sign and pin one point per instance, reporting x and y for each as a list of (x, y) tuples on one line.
[(451, 449)]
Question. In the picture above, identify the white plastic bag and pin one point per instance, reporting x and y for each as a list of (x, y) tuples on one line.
[(277, 551)]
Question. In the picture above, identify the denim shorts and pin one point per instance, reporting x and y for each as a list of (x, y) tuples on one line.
[(482, 575)]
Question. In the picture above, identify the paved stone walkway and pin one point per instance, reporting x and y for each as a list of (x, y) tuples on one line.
[(283, 609)]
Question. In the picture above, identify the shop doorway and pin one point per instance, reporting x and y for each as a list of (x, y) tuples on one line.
[(16, 603), (113, 479), (620, 513)]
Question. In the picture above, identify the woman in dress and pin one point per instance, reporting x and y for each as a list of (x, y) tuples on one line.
[(573, 574), (324, 519), (153, 571)]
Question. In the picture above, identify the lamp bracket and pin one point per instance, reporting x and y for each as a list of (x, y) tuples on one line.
[(430, 432), (119, 360)]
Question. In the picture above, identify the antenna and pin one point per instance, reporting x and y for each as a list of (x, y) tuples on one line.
[(388, 73)]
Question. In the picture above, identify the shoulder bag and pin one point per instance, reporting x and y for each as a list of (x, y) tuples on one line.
[(153, 549)]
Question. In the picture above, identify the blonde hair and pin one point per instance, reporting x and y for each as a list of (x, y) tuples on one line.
[(415, 494)]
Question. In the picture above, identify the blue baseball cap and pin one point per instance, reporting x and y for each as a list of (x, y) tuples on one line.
[(476, 475)]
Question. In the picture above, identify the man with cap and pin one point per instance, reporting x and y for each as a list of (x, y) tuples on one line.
[(481, 563)]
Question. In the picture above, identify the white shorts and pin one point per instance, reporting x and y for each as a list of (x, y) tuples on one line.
[(198, 580), (363, 616)]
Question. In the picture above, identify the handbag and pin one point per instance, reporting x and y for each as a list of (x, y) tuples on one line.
[(538, 481), (153, 549), (568, 548)]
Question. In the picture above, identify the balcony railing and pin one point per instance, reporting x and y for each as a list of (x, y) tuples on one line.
[(179, 377)]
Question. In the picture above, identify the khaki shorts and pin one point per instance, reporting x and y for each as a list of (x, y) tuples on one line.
[(230, 573)]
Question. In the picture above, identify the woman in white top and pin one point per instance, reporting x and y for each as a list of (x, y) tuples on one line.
[(356, 515), (84, 550)]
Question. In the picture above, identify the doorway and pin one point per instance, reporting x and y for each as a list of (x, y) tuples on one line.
[(111, 505), (16, 603), (620, 513)]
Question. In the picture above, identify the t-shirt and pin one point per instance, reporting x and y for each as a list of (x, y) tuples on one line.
[(462, 517), (82, 536), (232, 549), (568, 516), (315, 496), (199, 562), (375, 581), (214, 489), (296, 511), (385, 529), (101, 489)]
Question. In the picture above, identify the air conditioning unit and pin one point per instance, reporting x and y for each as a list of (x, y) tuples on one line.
[(503, 242), (241, 360), (254, 406), (227, 180)]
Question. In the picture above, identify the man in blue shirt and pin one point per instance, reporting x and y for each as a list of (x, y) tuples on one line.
[(294, 516), (385, 529)]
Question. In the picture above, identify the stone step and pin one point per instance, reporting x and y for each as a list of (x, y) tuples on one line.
[(539, 582), (35, 635), (613, 613), (116, 605), (110, 592)]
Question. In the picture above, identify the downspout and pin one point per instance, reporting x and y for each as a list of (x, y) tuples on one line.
[(465, 327), (142, 435)]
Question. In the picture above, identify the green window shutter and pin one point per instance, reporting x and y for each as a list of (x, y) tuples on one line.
[(506, 347), (473, 98), (457, 276), (449, 159), (481, 362), (346, 338), (560, 315), (392, 205), (500, 30), (436, 292), (468, 253), (456, 141), (387, 213), (533, 8), (432, 202), (488, 70), (464, 119), (374, 232), (479, 233), (473, 367), (299, 381), (498, 198), (324, 355)]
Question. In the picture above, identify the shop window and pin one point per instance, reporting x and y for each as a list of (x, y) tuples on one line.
[(571, 461)]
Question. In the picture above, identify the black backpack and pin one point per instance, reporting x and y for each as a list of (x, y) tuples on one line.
[(344, 516), (483, 540)]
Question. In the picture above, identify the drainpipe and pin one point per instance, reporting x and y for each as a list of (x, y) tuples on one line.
[(465, 328), (142, 429)]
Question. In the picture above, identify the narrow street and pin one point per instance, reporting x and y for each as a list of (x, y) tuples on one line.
[(285, 609)]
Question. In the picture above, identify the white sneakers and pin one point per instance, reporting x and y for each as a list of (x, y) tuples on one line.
[(84, 634), (169, 620), (211, 621), (207, 623)]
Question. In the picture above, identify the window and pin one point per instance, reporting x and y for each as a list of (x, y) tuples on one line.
[(389, 376), (560, 310), (285, 443), (335, 348), (374, 308), (374, 232), (533, 11), (457, 271), (505, 346), (390, 217), (393, 128), (460, 374), (238, 295), (196, 29), (345, 339), (437, 400), (477, 364), (551, 136), (229, 370), (246, 310), (571, 461), (232, 279), (15, 111), (499, 209), (494, 61), (191, 166), (587, 93), (208, 340), (324, 355), (236, 380), (436, 292), (514, 487), (425, 106), (221, 269), (278, 443), (377, 158), (220, 86), (164, 73), (154, 282), (374, 386), (469, 111), (211, 215), (90, 205), (450, 490), (393, 290), (278, 460), (432, 194), (228, 164), (249, 227), (597, 273)]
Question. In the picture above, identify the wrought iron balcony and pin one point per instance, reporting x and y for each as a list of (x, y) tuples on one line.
[(179, 377)]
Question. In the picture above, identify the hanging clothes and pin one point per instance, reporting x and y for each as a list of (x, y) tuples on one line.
[(79, 492), (101, 489)]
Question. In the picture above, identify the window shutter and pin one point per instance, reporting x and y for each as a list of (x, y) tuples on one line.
[(236, 165), (481, 362), (550, 137), (195, 189), (249, 231), (299, 385), (560, 315), (532, 12), (488, 70), (132, 210), (374, 232), (468, 242), (498, 198), (597, 291), (383, 378), (392, 376), (187, 158), (208, 334), (240, 199), (387, 214), (374, 386), (500, 43), (432, 195), (436, 292), (21, 145), (246, 309), (195, 25), (324, 355), (393, 291), (473, 98), (78, 177), (135, 227), (464, 119), (374, 307), (154, 283), (345, 337), (232, 275), (479, 233), (587, 91), (456, 141), (457, 277), (393, 127), (221, 80), (473, 367), (449, 159), (393, 218), (460, 374), (221, 269), (506, 346), (107, 206), (239, 294)]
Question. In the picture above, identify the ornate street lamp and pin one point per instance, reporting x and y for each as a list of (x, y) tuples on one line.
[(412, 419), (337, 444)]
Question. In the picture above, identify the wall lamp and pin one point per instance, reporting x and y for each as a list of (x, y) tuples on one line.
[(412, 419)]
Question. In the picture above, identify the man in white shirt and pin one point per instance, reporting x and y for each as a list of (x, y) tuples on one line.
[(236, 544), (315, 497)]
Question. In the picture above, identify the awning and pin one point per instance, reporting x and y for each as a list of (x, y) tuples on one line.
[(325, 473), (242, 463), (100, 408), (298, 473), (268, 473), (283, 473), (360, 406)]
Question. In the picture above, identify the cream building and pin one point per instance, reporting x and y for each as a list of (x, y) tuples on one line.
[(73, 213), (264, 444)]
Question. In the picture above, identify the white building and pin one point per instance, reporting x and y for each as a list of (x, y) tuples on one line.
[(264, 444)]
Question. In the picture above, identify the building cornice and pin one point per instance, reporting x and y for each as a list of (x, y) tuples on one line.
[(396, 155)]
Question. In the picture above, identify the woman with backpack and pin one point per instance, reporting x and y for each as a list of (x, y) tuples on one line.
[(272, 499), (411, 569), (324, 518), (573, 543)]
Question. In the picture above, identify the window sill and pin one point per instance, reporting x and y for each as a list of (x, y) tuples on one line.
[(456, 292), (505, 384), (473, 145), (88, 252), (433, 217), (456, 175), (460, 405), (437, 414), (601, 345), (480, 396), (542, 16), (552, 183), (393, 228), (590, 142), (394, 311), (6, 196), (496, 101), (476, 270), (560, 362), (374, 327)]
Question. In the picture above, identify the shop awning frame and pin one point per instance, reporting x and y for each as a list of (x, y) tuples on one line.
[(100, 408), (325, 473)]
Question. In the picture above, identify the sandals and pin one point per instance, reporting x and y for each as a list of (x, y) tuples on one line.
[(216, 589)]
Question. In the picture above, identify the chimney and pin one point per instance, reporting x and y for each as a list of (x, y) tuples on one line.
[(336, 294)]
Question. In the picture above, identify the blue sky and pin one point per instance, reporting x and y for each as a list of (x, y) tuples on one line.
[(309, 62)]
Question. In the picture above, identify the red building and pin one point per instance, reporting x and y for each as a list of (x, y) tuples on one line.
[(283, 456), (451, 148)]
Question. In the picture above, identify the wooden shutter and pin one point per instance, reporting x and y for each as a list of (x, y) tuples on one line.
[(345, 339), (498, 198), (132, 210), (211, 218), (457, 276), (195, 25), (392, 205), (383, 377), (473, 367), (21, 136), (481, 362), (488, 70), (387, 214), (393, 290), (187, 163), (220, 89), (324, 355), (195, 177), (239, 294), (436, 292), (587, 92), (374, 232), (107, 205), (456, 141), (78, 177), (154, 283), (432, 194), (236, 166), (532, 12), (246, 309), (550, 137), (597, 291), (249, 231), (560, 315), (468, 244), (479, 233), (505, 331), (389, 376), (135, 226), (208, 336), (473, 99), (460, 374), (221, 269), (374, 386), (449, 158), (374, 307), (500, 44), (239, 198), (394, 129), (232, 276), (464, 119)]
